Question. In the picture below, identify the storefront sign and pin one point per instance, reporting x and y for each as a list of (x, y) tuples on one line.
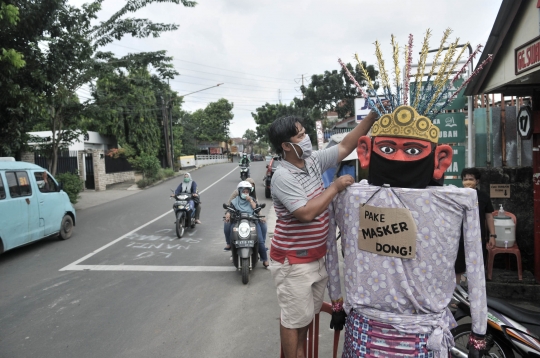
[(451, 127), (499, 190), (524, 122), (527, 56)]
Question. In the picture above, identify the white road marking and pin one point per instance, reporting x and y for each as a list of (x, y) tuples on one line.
[(74, 266), (55, 285)]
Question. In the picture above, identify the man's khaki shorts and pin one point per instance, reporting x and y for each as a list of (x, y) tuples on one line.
[(300, 291)]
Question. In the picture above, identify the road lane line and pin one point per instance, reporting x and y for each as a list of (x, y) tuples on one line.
[(74, 264), (149, 268)]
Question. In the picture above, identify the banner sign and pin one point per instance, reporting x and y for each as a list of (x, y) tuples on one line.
[(451, 127), (387, 231)]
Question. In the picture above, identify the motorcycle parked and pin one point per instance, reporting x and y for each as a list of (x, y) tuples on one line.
[(185, 217), (512, 328), (244, 239), (244, 172)]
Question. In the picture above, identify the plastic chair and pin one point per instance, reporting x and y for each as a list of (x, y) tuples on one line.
[(311, 346), (501, 250)]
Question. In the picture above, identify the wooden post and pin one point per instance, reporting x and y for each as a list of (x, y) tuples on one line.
[(536, 181), (503, 130)]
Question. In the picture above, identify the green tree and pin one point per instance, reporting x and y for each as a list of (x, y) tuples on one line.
[(268, 113), (334, 91), (215, 121), (22, 85), (9, 16), (68, 51)]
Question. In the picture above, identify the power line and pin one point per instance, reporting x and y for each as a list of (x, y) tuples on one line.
[(199, 64)]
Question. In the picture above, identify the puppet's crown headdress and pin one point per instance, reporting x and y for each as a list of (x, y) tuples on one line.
[(405, 122), (427, 97)]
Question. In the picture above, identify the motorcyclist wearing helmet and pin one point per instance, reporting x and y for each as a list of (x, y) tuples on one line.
[(245, 203), (244, 162)]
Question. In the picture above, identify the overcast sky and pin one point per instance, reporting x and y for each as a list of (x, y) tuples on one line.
[(260, 49)]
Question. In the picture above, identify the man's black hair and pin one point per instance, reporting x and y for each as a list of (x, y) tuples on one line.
[(281, 131), (472, 171)]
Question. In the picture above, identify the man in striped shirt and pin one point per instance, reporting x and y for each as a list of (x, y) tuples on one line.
[(299, 243)]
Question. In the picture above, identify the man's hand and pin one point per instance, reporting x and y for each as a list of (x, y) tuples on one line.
[(491, 243), (343, 182), (195, 194), (227, 216), (338, 320)]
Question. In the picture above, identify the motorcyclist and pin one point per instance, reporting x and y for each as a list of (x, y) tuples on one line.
[(188, 185), (244, 162), (245, 203)]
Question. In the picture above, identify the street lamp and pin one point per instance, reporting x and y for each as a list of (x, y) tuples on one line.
[(204, 89)]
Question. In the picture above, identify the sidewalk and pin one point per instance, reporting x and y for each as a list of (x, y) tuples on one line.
[(90, 198)]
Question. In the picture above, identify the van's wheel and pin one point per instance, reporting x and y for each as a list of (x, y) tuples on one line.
[(180, 224), (245, 271), (267, 193), (66, 228)]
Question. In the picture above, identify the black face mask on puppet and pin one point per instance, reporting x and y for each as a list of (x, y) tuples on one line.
[(403, 174)]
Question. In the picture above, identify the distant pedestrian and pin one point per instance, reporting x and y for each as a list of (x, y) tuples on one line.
[(471, 179)]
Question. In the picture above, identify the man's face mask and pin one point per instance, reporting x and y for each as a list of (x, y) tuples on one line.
[(469, 182), (305, 145)]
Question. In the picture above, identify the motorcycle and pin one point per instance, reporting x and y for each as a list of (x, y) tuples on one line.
[(185, 216), (244, 172), (512, 328), (244, 239)]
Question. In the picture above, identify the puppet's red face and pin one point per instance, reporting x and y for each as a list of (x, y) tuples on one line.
[(401, 149)]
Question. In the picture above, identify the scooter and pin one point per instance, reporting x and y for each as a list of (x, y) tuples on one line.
[(244, 172), (512, 328), (185, 216), (244, 239)]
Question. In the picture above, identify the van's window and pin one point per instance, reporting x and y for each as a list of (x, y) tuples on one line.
[(2, 190), (19, 184), (45, 182)]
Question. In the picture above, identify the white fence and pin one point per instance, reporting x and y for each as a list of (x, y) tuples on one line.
[(210, 159)]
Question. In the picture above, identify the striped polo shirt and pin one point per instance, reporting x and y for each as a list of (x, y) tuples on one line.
[(292, 188)]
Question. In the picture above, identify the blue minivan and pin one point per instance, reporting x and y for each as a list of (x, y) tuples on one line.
[(32, 205)]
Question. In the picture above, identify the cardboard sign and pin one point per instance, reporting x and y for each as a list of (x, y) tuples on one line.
[(499, 190), (387, 231)]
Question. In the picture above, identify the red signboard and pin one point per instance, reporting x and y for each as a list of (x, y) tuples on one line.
[(527, 56), (215, 150)]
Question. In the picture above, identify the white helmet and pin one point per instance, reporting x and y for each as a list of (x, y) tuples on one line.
[(244, 185)]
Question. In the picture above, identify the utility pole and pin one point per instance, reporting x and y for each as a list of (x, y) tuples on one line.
[(165, 131), (171, 121), (279, 96)]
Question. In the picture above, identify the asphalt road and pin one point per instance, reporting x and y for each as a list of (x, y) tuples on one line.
[(125, 286)]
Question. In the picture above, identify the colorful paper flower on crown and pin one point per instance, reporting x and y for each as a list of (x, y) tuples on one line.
[(426, 94)]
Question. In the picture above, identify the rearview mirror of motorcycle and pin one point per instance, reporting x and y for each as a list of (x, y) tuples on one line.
[(225, 206)]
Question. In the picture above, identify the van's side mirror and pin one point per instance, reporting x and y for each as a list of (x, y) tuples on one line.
[(60, 186)]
